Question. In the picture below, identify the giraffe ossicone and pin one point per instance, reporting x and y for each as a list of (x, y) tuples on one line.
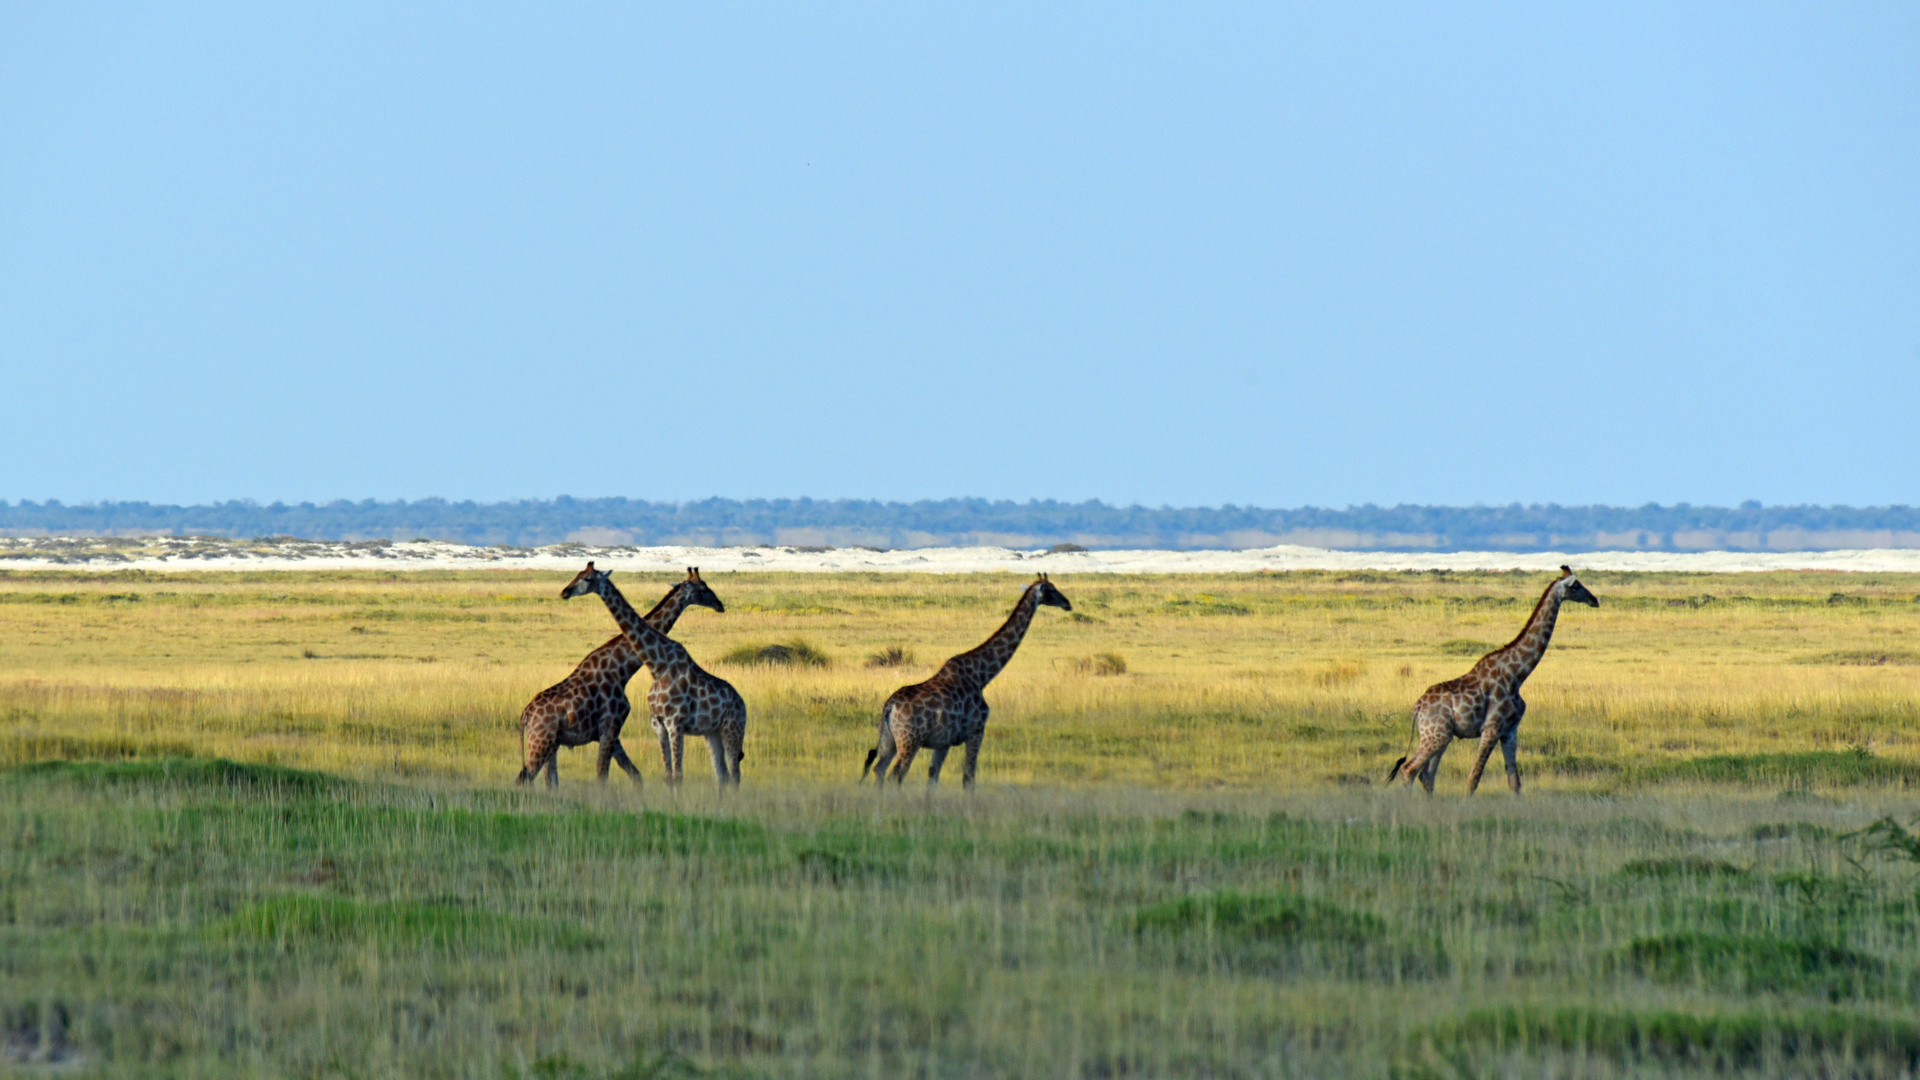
[(949, 710), (1485, 703)]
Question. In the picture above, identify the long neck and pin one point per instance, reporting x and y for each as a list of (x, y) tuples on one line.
[(627, 659), (669, 609), (653, 646), (1523, 653), (980, 664)]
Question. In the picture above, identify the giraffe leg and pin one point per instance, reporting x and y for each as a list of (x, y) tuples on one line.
[(1431, 770), (538, 742), (605, 759), (972, 764), (553, 768), (679, 753), (736, 739), (1510, 749), (933, 765), (626, 763), (900, 767), (718, 749), (666, 749), (1488, 740), (1427, 753), (882, 757)]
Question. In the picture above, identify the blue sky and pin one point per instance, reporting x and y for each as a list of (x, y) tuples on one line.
[(1263, 254)]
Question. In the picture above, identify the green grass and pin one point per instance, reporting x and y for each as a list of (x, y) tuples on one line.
[(208, 918), (1827, 768)]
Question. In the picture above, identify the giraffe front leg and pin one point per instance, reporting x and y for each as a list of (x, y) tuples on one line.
[(718, 748), (735, 739), (972, 764), (679, 754), (626, 763), (933, 765), (1510, 749), (605, 759)]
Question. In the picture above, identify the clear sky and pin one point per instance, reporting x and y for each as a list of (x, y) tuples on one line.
[(1189, 254)]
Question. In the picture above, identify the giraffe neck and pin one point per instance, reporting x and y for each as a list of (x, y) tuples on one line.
[(669, 609), (653, 646), (984, 661), (1523, 653)]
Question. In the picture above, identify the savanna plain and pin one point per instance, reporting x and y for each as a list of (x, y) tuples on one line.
[(264, 824)]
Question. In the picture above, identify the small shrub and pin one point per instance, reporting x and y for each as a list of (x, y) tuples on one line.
[(796, 652), (1109, 663), (1466, 647), (891, 656)]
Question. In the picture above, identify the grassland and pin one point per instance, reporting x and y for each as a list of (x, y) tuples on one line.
[(261, 825)]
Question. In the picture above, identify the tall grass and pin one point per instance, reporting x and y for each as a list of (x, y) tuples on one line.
[(1284, 679)]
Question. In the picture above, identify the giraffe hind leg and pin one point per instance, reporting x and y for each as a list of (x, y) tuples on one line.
[(882, 755)]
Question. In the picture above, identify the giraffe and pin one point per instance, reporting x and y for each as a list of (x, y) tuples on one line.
[(684, 700), (1485, 702), (590, 705), (948, 709)]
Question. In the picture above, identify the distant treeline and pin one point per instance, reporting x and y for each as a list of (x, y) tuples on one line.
[(848, 522)]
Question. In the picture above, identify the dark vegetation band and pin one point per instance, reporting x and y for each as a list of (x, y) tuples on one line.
[(1036, 523)]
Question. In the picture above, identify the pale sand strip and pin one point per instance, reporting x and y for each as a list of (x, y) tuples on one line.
[(165, 555)]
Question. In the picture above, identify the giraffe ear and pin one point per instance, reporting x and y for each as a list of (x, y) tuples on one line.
[(1566, 571)]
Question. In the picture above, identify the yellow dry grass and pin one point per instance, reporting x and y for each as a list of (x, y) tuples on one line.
[(1283, 680)]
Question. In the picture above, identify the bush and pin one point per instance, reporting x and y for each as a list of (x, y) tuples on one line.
[(891, 656), (795, 652)]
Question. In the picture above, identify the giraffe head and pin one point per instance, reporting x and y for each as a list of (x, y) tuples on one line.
[(586, 581), (696, 591), (1045, 593), (1571, 589)]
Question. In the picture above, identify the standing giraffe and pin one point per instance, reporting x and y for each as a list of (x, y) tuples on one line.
[(590, 705), (684, 700), (1485, 702), (948, 709)]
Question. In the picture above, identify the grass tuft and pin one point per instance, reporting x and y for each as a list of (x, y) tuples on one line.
[(891, 656), (794, 652)]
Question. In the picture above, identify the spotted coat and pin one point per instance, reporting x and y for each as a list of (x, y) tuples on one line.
[(684, 699), (1485, 703), (949, 709), (590, 705)]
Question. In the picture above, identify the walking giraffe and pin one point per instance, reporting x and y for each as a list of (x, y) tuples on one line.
[(590, 705), (684, 699), (1485, 702), (948, 709)]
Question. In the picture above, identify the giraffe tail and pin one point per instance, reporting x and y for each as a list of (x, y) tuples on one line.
[(864, 769), (1394, 773)]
